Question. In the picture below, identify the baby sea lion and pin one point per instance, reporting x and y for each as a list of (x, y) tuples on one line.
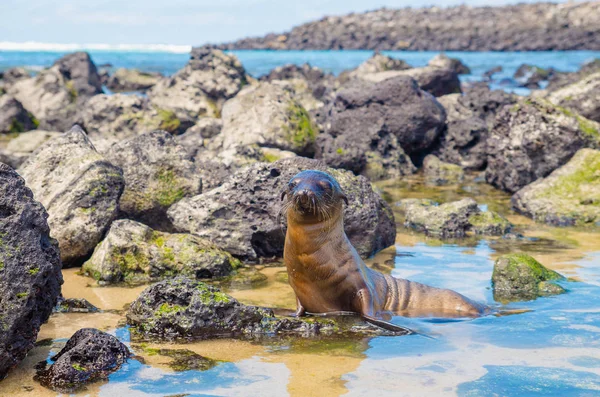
[(328, 275)]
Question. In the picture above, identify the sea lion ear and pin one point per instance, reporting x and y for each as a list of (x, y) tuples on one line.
[(283, 194)]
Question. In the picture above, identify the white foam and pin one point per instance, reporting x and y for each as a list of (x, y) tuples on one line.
[(68, 47)]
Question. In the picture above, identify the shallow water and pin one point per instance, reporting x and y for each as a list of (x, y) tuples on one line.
[(550, 346)]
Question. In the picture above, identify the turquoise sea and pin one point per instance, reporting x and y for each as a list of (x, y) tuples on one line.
[(258, 63)]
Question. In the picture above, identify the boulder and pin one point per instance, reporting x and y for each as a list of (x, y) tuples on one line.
[(568, 196), (79, 189), (196, 139), (440, 173), (123, 80), (10, 76), (201, 87), (74, 305), (13, 116), (373, 126), (530, 76), (318, 83), (242, 216), (54, 94), (134, 253), (81, 72), (448, 220), (442, 61), (10, 159), (26, 143), (469, 118), (519, 277), (531, 139), (89, 355), (582, 97), (158, 172), (183, 308), (268, 116), (437, 81), (489, 74), (376, 64), (30, 276), (489, 223), (119, 116), (562, 79)]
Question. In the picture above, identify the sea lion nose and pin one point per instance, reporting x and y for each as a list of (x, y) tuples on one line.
[(304, 196)]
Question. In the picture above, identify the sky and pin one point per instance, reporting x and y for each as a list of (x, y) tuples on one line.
[(179, 22)]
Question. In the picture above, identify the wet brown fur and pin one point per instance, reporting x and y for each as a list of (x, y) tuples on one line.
[(328, 275)]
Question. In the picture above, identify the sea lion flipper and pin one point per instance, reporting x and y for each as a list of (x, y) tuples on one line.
[(300, 311), (388, 326)]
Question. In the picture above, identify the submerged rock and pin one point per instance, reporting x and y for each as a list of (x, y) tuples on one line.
[(13, 116), (134, 253), (183, 359), (531, 139), (30, 275), (568, 196), (183, 308), (447, 220), (201, 87), (442, 61), (242, 216), (72, 305), (132, 80), (519, 277), (54, 94), (89, 355), (373, 126), (530, 76), (79, 189), (582, 97), (119, 116), (268, 116), (440, 173), (158, 172)]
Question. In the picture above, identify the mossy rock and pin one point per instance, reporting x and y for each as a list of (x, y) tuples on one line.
[(182, 359), (489, 223), (568, 196), (183, 308), (134, 253), (438, 172), (519, 277)]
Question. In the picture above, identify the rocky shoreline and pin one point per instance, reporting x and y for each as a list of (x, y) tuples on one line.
[(183, 184), (521, 27)]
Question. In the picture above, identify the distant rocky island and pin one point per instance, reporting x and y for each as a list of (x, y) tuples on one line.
[(521, 27)]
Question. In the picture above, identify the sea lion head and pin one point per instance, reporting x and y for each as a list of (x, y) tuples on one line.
[(314, 196)]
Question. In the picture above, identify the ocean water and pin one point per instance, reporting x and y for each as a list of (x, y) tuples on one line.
[(168, 60)]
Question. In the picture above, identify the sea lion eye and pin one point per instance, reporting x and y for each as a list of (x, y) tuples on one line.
[(325, 185)]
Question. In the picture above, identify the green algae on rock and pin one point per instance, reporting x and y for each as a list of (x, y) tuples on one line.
[(134, 253), (438, 172), (568, 196), (182, 308), (78, 187), (519, 277), (453, 219), (489, 223), (158, 172), (533, 138), (182, 359)]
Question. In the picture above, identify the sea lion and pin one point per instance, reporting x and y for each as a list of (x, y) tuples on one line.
[(328, 275)]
